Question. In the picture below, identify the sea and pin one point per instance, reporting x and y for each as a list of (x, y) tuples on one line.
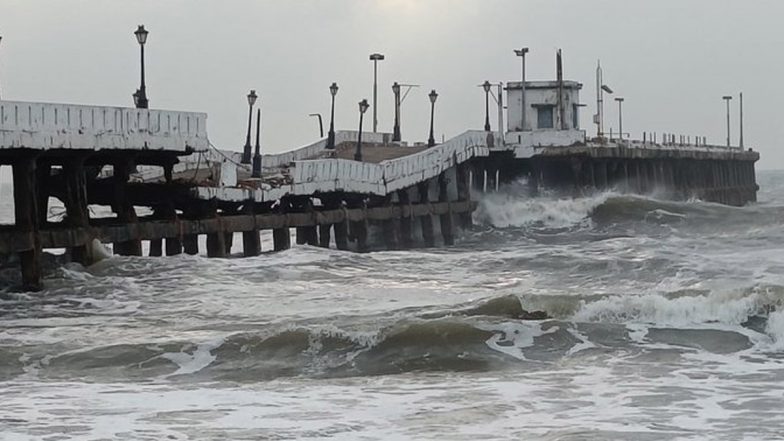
[(603, 317)]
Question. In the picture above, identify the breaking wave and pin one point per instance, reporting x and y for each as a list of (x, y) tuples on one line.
[(493, 334), (507, 209)]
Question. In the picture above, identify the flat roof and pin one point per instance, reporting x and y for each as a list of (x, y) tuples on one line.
[(567, 84)]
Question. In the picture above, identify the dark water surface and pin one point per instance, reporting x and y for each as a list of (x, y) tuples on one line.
[(665, 321)]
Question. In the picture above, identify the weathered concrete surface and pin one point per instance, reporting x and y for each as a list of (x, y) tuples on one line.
[(44, 126), (61, 236), (650, 152), (313, 177)]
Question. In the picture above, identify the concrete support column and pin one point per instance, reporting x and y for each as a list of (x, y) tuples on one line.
[(307, 234), (43, 172), (426, 220), (281, 237), (251, 240), (124, 208), (359, 228), (216, 242), (447, 225), (600, 172), (625, 174), (228, 240), (27, 221), (406, 221), (341, 228), (156, 248), (190, 243), (464, 194), (324, 235), (639, 178), (77, 214)]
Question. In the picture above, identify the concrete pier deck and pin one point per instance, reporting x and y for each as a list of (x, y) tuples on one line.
[(398, 197)]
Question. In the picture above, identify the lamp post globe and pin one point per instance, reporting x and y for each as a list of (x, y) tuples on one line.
[(431, 141), (363, 106), (246, 152), (486, 87), (333, 90)]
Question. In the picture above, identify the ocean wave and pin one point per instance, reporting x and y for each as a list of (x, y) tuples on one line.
[(491, 334), (505, 209)]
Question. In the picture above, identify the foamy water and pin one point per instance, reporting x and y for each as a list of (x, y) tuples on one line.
[(664, 321)]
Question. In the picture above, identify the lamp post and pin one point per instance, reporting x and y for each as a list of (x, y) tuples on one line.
[(140, 97), (521, 53), (375, 58), (433, 96), (333, 90), (486, 87), (1, 39), (246, 151), (396, 130), (741, 121), (257, 155), (363, 106), (620, 118), (727, 98)]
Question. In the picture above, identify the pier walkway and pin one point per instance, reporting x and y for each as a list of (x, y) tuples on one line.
[(165, 184)]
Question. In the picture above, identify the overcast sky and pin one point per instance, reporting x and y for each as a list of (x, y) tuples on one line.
[(671, 59)]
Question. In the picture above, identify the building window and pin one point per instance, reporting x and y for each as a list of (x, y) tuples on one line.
[(544, 117)]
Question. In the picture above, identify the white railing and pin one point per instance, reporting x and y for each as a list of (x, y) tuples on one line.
[(309, 151), (324, 175), (50, 125)]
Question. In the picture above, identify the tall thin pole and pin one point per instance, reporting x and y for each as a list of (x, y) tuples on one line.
[(741, 120), (431, 141), (396, 128), (333, 90), (522, 88), (1, 96), (728, 123), (521, 53), (358, 153), (620, 119), (246, 150), (257, 155), (599, 101), (727, 98), (375, 95), (559, 76), (331, 135), (143, 102), (501, 111), (487, 108)]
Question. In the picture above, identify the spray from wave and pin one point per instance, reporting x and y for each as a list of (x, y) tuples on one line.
[(508, 209)]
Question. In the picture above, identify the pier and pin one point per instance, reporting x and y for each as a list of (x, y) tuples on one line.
[(166, 184)]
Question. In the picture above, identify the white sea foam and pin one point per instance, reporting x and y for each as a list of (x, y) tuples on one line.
[(192, 362), (775, 328), (731, 308), (506, 209), (512, 337)]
